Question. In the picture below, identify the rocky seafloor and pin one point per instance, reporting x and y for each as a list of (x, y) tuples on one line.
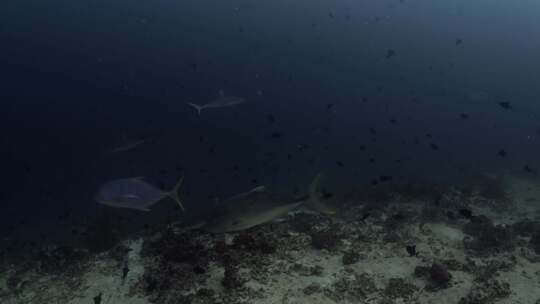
[(475, 243)]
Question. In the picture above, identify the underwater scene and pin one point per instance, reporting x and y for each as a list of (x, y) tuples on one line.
[(270, 151)]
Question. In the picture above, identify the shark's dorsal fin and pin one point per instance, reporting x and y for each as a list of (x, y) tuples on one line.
[(314, 201)]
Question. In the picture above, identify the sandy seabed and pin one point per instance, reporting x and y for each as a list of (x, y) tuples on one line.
[(359, 256)]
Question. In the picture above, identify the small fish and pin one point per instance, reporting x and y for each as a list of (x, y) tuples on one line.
[(365, 216), (134, 193), (464, 116), (221, 102), (125, 269), (501, 153), (459, 41), (385, 178), (97, 299), (302, 147), (390, 53), (528, 169), (505, 105), (411, 250)]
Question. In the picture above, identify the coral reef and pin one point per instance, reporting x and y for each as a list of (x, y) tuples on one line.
[(253, 243), (535, 241), (487, 292), (487, 237), (400, 288), (232, 278), (61, 259), (350, 257), (312, 288), (328, 239), (351, 288), (448, 235), (526, 228), (439, 276)]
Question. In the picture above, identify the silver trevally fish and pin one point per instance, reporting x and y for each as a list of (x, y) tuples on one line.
[(220, 102), (259, 206), (135, 193)]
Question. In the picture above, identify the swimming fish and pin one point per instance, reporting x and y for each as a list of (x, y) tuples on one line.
[(259, 206), (135, 193), (220, 102)]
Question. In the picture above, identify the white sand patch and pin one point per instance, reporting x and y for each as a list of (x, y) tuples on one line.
[(524, 281), (111, 286), (216, 275), (445, 233), (384, 268)]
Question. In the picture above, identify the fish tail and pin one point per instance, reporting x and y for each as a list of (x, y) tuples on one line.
[(314, 200), (174, 193), (196, 106)]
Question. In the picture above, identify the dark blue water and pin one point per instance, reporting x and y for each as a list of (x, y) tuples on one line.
[(356, 89)]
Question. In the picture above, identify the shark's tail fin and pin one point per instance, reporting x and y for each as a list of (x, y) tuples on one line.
[(197, 107), (315, 195), (174, 192)]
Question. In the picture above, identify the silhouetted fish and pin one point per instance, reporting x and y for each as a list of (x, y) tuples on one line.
[(528, 169), (411, 250), (134, 193), (505, 105), (390, 53)]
